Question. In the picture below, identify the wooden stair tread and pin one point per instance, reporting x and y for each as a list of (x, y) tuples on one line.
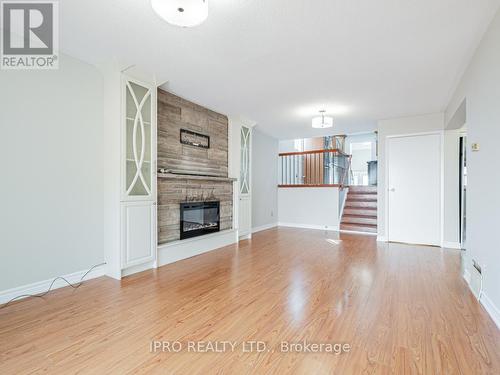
[(360, 215), (361, 204), (347, 207), (359, 227), (360, 222)]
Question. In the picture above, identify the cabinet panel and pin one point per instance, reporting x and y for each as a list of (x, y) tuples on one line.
[(138, 233)]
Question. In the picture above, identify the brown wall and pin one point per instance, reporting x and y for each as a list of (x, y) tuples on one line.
[(174, 114)]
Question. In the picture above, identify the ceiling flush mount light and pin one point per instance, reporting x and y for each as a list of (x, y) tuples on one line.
[(322, 121), (184, 13)]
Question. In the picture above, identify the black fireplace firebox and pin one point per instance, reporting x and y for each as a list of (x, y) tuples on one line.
[(199, 218)]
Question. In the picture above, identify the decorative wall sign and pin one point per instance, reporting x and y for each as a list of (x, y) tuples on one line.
[(194, 139)]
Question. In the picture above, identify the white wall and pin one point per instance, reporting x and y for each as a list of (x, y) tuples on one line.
[(309, 207), (362, 137), (51, 147), (399, 126), (301, 144), (360, 159), (265, 179), (480, 85)]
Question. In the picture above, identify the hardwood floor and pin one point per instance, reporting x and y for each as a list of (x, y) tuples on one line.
[(402, 309)]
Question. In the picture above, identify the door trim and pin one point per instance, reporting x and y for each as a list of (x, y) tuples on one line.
[(441, 182)]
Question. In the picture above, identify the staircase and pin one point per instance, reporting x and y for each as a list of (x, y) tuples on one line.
[(360, 210)]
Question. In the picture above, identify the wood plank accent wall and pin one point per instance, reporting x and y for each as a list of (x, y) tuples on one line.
[(174, 114)]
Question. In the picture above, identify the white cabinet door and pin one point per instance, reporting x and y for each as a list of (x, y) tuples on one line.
[(138, 141), (245, 207), (138, 233), (414, 189)]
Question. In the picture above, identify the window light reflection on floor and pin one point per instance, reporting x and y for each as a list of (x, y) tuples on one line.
[(333, 242)]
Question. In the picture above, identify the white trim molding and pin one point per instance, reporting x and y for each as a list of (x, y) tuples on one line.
[(310, 226), (451, 245), (139, 268), (381, 239), (466, 276), (43, 286), (264, 227), (490, 307), (178, 250)]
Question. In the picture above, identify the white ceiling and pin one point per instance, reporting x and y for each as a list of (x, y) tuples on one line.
[(278, 62)]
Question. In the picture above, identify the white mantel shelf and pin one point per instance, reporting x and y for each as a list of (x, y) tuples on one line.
[(194, 177)]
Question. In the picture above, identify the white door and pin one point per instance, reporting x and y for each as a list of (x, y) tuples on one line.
[(138, 206), (245, 208), (414, 189)]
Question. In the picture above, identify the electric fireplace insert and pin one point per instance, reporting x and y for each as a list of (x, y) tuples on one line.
[(199, 218)]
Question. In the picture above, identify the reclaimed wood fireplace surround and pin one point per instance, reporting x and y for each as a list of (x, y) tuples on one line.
[(190, 173)]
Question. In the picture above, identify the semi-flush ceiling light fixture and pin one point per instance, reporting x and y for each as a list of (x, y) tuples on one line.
[(184, 13), (322, 121)]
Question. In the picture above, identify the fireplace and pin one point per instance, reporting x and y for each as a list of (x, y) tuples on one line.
[(199, 218)]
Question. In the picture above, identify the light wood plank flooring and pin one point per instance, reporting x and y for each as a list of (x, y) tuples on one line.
[(402, 309)]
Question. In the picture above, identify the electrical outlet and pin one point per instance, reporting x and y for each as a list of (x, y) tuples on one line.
[(475, 147)]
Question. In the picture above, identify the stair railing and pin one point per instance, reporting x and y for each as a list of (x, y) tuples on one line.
[(347, 174), (318, 168)]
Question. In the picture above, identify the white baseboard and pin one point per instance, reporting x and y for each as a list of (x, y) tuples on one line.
[(381, 239), (42, 286), (451, 245), (138, 268), (310, 226), (178, 250), (490, 307), (358, 232), (264, 227), (466, 276), (245, 237)]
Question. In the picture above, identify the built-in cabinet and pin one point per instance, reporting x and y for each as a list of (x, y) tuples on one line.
[(138, 173), (130, 199)]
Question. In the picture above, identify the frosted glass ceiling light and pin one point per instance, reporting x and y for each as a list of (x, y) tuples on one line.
[(184, 13), (322, 121)]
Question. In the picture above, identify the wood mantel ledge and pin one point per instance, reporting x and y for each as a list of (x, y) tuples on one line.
[(194, 177)]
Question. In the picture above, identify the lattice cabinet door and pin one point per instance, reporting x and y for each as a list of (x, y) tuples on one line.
[(245, 161), (139, 141)]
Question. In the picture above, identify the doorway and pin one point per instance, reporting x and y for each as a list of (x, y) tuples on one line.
[(361, 155), (462, 191)]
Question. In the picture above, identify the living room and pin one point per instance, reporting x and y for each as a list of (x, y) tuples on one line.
[(197, 186)]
